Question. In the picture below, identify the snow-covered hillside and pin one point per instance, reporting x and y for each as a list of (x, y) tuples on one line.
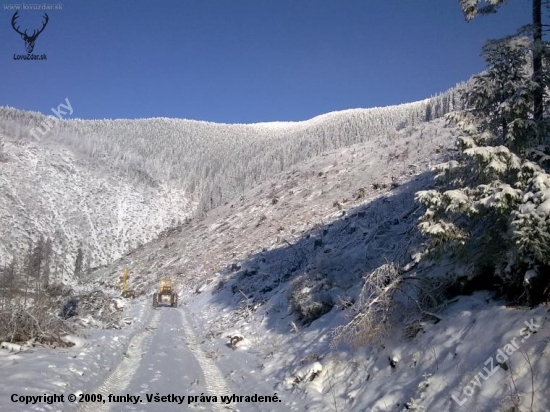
[(216, 162), (52, 192), (295, 204), (266, 280), (107, 186)]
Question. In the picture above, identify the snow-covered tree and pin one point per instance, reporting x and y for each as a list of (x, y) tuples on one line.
[(473, 8), (494, 199), (3, 154)]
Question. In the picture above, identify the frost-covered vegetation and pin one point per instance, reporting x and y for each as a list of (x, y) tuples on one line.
[(213, 162), (51, 192), (36, 308), (493, 205), (108, 186)]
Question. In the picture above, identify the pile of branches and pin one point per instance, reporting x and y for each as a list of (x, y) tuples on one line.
[(387, 297), (97, 310), (37, 323), (47, 318)]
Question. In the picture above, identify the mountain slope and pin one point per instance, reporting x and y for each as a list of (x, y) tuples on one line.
[(110, 185), (291, 206), (264, 282), (267, 279), (216, 162), (51, 192)]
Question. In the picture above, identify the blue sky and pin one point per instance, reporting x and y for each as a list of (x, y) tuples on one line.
[(241, 61)]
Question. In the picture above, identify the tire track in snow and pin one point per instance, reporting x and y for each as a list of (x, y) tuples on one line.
[(215, 383), (119, 380)]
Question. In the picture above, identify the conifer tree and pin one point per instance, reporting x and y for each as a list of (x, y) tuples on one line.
[(494, 199)]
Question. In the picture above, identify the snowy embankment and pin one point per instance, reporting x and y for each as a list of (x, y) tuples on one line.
[(414, 369)]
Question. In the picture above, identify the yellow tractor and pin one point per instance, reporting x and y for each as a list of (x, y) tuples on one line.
[(166, 293)]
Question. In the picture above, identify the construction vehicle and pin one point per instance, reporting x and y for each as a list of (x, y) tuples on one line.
[(165, 294)]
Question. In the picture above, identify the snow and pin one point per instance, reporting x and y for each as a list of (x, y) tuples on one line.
[(457, 199), (448, 353), (77, 202), (544, 208), (316, 232)]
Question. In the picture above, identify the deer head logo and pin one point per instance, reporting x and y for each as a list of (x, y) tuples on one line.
[(29, 40)]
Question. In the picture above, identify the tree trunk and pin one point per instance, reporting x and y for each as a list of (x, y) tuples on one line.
[(538, 108)]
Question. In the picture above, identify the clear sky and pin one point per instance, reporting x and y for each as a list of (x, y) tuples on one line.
[(241, 61)]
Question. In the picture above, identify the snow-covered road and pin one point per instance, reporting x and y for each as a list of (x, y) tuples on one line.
[(164, 359), (167, 366)]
